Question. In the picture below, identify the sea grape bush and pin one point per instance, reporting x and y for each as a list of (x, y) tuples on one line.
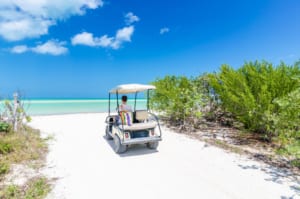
[(287, 122), (178, 98), (263, 97)]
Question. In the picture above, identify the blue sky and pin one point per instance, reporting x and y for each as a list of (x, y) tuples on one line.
[(82, 48)]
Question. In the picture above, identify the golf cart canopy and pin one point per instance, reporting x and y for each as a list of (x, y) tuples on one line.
[(131, 88)]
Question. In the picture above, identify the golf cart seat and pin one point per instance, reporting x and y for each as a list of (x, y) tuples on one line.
[(139, 126), (141, 115)]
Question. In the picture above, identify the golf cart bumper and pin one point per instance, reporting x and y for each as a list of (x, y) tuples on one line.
[(141, 140)]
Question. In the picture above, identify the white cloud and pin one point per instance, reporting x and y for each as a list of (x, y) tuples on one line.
[(104, 41), (84, 38), (131, 18), (88, 39), (52, 47), (20, 19), (115, 42), (19, 49), (125, 33), (19, 29), (164, 30)]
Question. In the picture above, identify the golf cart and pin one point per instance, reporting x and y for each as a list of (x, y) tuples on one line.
[(136, 127)]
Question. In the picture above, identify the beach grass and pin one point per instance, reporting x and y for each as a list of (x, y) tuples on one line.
[(36, 188), (20, 147), (24, 147)]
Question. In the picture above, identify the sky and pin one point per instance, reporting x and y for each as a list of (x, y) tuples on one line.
[(83, 48)]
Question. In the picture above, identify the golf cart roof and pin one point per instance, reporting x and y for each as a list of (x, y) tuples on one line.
[(131, 88)]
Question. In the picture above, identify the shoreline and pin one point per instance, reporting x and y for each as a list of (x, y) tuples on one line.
[(62, 114), (70, 106)]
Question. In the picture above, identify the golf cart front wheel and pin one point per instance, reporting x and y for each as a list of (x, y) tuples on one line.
[(119, 148), (152, 145)]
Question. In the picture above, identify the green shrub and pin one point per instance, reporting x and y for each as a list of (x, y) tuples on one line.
[(4, 127), (4, 168), (5, 147), (250, 93), (287, 120), (39, 188), (296, 163), (10, 192), (16, 113), (178, 98)]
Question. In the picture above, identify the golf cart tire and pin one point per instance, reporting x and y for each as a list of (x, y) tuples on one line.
[(119, 148), (108, 136), (152, 145)]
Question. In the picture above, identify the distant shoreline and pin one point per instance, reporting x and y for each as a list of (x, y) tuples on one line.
[(72, 106), (62, 114)]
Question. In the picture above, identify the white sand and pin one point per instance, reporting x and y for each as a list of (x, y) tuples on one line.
[(87, 167)]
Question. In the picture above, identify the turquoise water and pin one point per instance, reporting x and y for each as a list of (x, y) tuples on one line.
[(67, 106)]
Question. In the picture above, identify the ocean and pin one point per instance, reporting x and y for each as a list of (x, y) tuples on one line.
[(68, 106)]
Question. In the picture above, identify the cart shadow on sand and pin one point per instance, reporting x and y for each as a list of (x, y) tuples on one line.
[(133, 150)]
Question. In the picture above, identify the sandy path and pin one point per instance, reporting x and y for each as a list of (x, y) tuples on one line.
[(87, 167)]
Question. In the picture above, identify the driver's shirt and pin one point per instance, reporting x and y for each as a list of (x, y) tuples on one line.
[(125, 107)]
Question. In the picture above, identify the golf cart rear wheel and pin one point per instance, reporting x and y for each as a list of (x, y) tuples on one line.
[(119, 148), (152, 145), (108, 136)]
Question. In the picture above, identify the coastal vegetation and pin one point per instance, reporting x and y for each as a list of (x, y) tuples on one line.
[(20, 145), (180, 98), (259, 98), (36, 188)]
